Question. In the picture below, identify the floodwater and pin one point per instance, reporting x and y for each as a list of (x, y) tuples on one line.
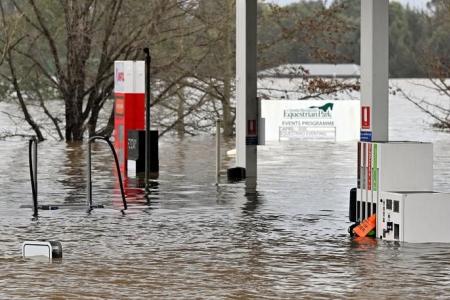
[(196, 240)]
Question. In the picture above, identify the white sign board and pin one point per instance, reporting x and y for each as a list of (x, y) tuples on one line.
[(129, 76), (306, 120)]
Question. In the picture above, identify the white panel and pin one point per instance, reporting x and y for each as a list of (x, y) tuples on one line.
[(139, 77), (426, 218), (423, 217), (395, 166), (339, 123), (36, 248), (119, 76), (129, 73), (131, 168), (129, 76), (406, 166)]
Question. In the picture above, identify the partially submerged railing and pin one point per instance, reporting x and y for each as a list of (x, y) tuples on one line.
[(89, 173), (33, 160)]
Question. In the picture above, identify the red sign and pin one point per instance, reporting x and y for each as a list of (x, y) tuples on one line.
[(251, 128), (129, 115), (365, 117)]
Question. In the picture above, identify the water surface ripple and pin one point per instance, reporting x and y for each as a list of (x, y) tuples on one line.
[(196, 240)]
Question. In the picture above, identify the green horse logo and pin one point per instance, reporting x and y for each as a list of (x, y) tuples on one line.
[(324, 108)]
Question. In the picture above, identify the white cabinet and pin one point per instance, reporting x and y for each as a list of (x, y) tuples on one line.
[(391, 166), (416, 217)]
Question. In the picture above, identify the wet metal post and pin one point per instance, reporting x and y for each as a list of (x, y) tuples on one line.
[(89, 175), (148, 61), (217, 152), (375, 70), (246, 106)]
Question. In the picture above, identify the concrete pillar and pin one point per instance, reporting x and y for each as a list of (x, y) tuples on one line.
[(247, 105), (374, 70)]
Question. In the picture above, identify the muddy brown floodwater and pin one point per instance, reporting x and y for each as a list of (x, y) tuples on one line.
[(195, 240)]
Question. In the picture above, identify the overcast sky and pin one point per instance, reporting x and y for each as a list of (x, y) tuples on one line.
[(413, 3)]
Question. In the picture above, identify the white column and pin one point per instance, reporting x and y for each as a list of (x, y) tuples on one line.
[(375, 70), (247, 105)]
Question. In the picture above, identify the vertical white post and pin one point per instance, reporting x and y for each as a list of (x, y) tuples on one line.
[(375, 70), (217, 152), (247, 105)]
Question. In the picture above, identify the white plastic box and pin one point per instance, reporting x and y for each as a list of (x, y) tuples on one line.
[(48, 249), (415, 217), (391, 166)]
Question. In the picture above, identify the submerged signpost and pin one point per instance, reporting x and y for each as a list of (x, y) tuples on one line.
[(148, 60)]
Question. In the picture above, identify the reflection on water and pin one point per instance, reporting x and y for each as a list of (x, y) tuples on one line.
[(197, 240)]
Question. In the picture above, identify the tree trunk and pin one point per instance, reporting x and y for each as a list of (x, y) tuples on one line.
[(74, 120), (180, 114), (28, 118), (228, 66), (226, 107)]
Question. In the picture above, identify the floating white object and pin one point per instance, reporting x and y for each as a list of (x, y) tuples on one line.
[(231, 152), (49, 249)]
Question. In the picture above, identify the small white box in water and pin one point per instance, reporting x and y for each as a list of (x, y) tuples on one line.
[(415, 217), (49, 249)]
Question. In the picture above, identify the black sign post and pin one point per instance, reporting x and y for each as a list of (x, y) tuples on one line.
[(148, 61)]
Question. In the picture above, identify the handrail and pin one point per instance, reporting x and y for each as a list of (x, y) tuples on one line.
[(32, 162), (89, 175)]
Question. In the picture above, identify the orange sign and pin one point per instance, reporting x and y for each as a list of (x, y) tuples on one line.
[(366, 226)]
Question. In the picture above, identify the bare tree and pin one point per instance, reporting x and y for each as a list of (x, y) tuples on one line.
[(66, 50), (9, 44), (438, 84), (73, 44), (436, 60)]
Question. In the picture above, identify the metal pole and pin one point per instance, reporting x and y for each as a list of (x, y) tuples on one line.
[(148, 61), (217, 152), (35, 158), (32, 161), (89, 177)]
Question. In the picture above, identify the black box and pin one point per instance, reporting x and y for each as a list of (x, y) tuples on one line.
[(136, 151)]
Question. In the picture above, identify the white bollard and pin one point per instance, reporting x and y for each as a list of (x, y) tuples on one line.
[(49, 249)]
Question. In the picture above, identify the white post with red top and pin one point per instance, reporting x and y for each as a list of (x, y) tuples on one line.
[(129, 106)]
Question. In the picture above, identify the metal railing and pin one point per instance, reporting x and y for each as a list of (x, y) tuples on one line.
[(89, 173), (32, 161)]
